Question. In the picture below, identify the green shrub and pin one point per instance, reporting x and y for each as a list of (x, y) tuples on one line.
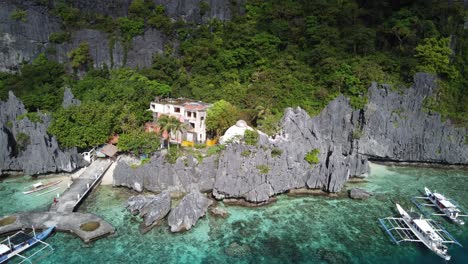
[(204, 8), (130, 28), (172, 155), (22, 141), (59, 37), (19, 14), (246, 153), (263, 169), (312, 156), (10, 125), (80, 56), (215, 150), (33, 116), (275, 152), (251, 137), (357, 134), (200, 146)]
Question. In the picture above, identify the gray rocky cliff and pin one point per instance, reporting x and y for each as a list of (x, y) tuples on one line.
[(393, 126), (186, 214), (24, 40), (398, 128), (159, 175), (26, 146)]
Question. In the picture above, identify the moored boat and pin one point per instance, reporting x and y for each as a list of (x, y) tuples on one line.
[(447, 207), (40, 186), (14, 245), (425, 232)]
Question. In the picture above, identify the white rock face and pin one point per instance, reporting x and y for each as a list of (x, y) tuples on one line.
[(235, 133)]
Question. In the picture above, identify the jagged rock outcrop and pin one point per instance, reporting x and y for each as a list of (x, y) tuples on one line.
[(398, 128), (393, 126), (26, 146), (186, 214), (152, 208), (159, 175), (69, 99), (24, 40)]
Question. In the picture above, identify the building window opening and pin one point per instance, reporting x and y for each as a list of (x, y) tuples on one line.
[(176, 109), (192, 125), (189, 114), (195, 114)]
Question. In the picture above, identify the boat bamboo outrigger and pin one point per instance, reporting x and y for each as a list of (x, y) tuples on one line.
[(413, 228), (40, 186), (14, 245), (447, 207)]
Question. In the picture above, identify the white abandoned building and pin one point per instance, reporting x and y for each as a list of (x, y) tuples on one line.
[(190, 112)]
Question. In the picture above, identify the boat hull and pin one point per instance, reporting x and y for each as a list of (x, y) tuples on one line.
[(17, 249)]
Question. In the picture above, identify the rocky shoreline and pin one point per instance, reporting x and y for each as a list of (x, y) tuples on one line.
[(393, 126)]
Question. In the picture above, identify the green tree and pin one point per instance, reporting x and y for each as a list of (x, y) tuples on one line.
[(139, 142), (434, 57), (220, 116), (171, 125), (19, 14), (80, 57)]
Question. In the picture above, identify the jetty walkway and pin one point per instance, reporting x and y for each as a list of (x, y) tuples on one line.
[(86, 226), (81, 186)]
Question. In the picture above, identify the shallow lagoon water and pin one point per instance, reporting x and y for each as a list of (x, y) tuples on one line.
[(308, 229)]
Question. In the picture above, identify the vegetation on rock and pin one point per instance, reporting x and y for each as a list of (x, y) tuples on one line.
[(312, 156)]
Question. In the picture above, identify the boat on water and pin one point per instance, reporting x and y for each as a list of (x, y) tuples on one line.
[(16, 244), (411, 227), (446, 206), (40, 186)]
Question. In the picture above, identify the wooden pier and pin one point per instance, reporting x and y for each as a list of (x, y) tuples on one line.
[(76, 223), (61, 214), (72, 197)]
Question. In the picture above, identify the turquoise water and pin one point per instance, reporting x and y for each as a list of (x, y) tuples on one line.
[(308, 229)]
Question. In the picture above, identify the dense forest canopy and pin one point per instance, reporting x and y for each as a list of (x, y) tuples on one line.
[(274, 54)]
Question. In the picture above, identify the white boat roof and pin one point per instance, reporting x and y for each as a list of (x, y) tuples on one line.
[(4, 249), (439, 196), (447, 204), (426, 228)]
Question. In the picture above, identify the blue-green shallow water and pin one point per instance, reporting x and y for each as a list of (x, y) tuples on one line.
[(292, 230)]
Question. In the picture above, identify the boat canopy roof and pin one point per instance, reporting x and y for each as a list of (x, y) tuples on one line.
[(4, 249), (426, 228), (447, 204)]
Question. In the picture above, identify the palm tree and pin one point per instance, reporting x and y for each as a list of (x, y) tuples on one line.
[(170, 124)]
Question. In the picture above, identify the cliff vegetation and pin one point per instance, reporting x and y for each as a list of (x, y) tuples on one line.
[(272, 55)]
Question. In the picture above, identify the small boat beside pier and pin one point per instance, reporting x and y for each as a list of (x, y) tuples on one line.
[(447, 207), (19, 242), (40, 186), (414, 228)]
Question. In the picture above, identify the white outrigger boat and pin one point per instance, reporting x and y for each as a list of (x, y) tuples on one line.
[(449, 208), (40, 186), (14, 245), (413, 228)]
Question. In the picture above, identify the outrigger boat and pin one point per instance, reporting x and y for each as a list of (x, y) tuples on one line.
[(414, 228), (40, 186), (449, 208), (19, 242)]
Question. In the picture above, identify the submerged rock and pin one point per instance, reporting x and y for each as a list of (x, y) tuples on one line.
[(237, 250), (186, 214), (152, 208), (219, 211), (358, 193)]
